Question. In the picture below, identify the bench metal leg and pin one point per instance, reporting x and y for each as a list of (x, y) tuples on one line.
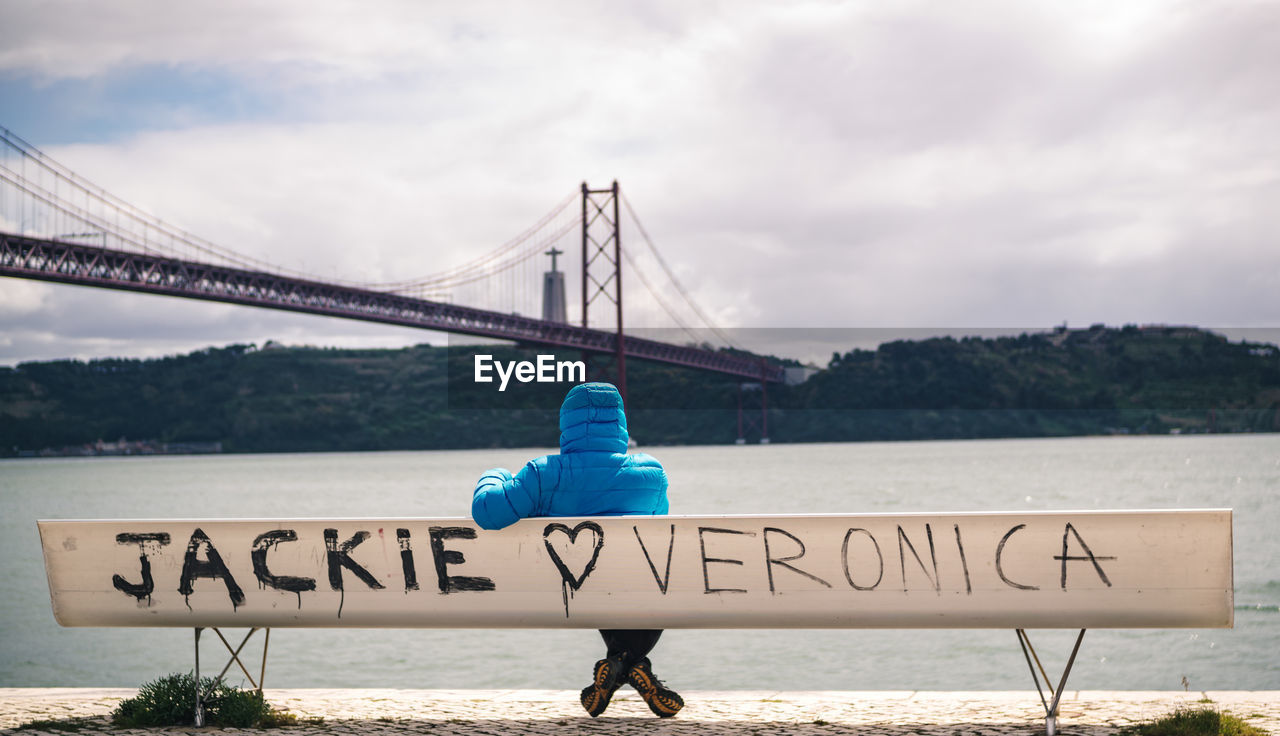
[(235, 659), (1050, 707), (199, 700), (262, 675)]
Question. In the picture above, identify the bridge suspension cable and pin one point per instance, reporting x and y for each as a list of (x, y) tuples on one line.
[(675, 282), (56, 202), (42, 198), (497, 260), (657, 295)]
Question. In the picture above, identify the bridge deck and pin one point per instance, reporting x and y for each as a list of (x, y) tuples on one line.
[(71, 263)]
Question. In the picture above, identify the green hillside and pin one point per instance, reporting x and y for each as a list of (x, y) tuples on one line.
[(274, 399), (1099, 380)]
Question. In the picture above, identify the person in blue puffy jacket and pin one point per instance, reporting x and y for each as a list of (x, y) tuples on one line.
[(592, 476)]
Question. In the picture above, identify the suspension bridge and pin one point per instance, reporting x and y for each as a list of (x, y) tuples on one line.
[(56, 226)]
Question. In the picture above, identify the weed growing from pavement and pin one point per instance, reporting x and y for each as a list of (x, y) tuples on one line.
[(1195, 722), (170, 701)]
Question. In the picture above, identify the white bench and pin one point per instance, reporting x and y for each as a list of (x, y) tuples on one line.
[(1023, 570)]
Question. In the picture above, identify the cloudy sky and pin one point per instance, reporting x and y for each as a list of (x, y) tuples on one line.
[(934, 166)]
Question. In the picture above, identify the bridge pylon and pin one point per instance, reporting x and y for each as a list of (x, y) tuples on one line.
[(752, 398), (602, 272)]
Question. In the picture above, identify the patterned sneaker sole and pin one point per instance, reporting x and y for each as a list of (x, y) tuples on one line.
[(595, 700), (596, 696), (663, 703), (664, 706), (606, 675)]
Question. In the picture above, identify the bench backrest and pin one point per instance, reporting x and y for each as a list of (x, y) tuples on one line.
[(1079, 569)]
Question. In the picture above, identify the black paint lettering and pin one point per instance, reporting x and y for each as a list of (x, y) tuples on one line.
[(671, 544), (844, 558), (702, 543), (568, 581), (445, 557), (597, 536), (406, 561), (1089, 556), (211, 567), (159, 538), (1000, 557), (964, 563), (145, 588), (290, 583), (770, 560), (339, 556), (902, 559)]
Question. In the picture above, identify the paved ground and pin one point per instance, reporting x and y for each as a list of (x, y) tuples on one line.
[(544, 712)]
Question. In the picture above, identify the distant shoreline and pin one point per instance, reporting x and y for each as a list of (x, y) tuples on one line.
[(1070, 383), (54, 454)]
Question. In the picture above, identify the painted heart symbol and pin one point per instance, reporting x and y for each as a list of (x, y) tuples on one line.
[(572, 550)]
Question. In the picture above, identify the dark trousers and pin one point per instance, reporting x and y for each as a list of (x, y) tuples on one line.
[(630, 645)]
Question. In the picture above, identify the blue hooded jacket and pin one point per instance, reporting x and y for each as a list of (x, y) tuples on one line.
[(592, 475)]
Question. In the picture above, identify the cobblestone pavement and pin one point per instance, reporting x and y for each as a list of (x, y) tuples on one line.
[(369, 712)]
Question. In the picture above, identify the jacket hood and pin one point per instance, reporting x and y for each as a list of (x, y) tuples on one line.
[(592, 420)]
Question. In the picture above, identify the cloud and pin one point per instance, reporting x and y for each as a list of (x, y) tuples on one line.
[(992, 164), (84, 39), (85, 323)]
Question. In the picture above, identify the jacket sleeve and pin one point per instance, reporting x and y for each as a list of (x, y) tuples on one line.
[(501, 500), (662, 507)]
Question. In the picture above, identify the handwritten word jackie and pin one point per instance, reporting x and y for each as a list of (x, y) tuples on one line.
[(202, 560), (713, 560)]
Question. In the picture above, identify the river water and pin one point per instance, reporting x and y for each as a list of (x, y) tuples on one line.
[(1241, 472)]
